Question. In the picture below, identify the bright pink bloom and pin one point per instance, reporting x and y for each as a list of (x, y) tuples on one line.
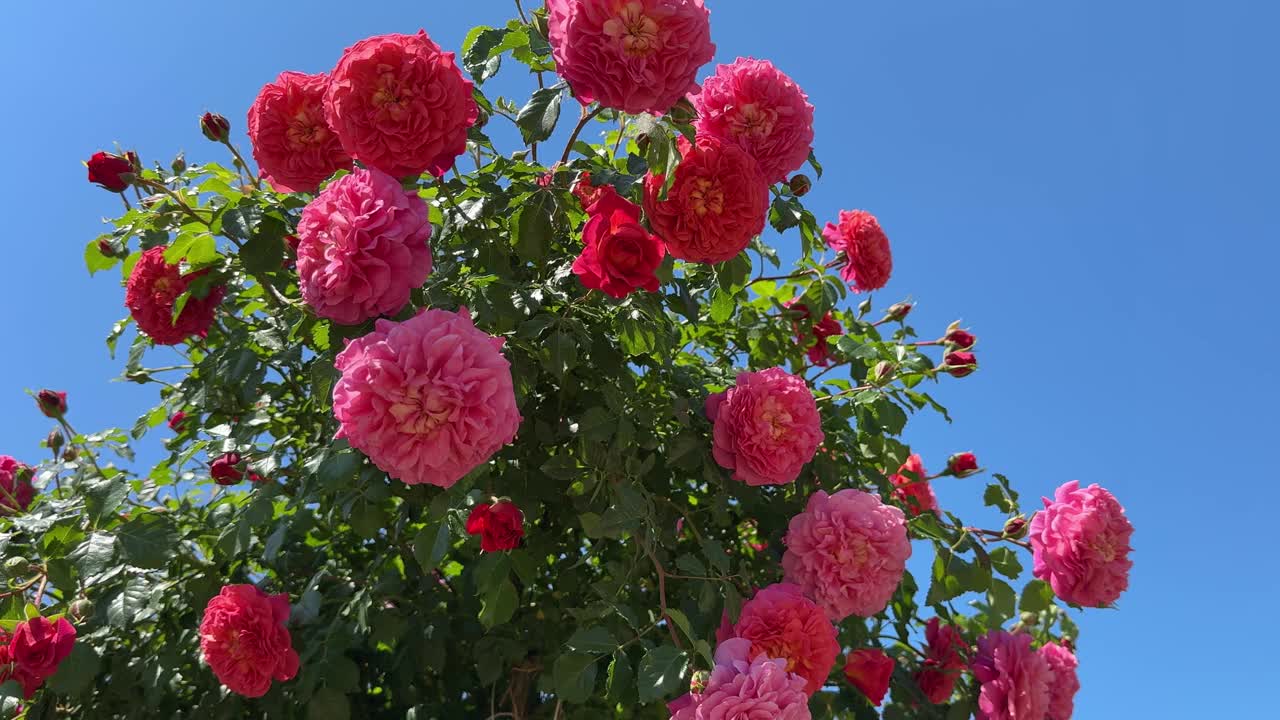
[(914, 491), (715, 206), (814, 335), (782, 623), (400, 104), (636, 56), (244, 639), (766, 427), (294, 146), (741, 688), (1015, 679), (618, 254), (110, 172), (500, 526), (1080, 543), (754, 104), (39, 645), (16, 491), (868, 259), (10, 670), (869, 670), (427, 399), (362, 247), (1064, 683), (944, 661), (153, 288), (847, 551)]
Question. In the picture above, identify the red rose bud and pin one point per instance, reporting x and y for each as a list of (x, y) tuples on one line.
[(1016, 528), (175, 422), (883, 371), (800, 185), (52, 403), (54, 441), (215, 127), (959, 364), (683, 112), (179, 164), (961, 339), (962, 464), (224, 470), (899, 311), (500, 525), (70, 455), (111, 172)]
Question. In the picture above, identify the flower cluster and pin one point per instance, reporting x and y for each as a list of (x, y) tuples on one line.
[(783, 624)]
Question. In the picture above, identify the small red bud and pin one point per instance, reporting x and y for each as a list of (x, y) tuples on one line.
[(683, 112), (959, 364), (883, 371), (70, 455), (1016, 528), (52, 403), (962, 464), (800, 185), (899, 311), (111, 172), (54, 441), (961, 339), (225, 470), (215, 127)]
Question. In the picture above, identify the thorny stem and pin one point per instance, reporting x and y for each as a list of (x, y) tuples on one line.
[(582, 122), (159, 187), (662, 592)]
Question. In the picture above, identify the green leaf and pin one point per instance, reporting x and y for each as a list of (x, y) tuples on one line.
[(480, 56), (95, 555), (499, 604), (597, 424), (1006, 562), (125, 605), (1001, 598), (95, 261), (595, 639), (1037, 596), (575, 677), (76, 673), (147, 540), (263, 253), (995, 496), (531, 227), (339, 470), (621, 676), (661, 673), (104, 496), (431, 545), (537, 119)]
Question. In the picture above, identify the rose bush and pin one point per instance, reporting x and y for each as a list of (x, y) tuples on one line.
[(552, 435)]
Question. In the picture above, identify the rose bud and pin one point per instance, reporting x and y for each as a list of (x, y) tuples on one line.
[(962, 464), (54, 441), (52, 403), (882, 371), (959, 364), (175, 422), (699, 681), (500, 525), (70, 455), (215, 127), (81, 609), (961, 339), (800, 185), (134, 161), (179, 164), (224, 470), (1016, 528), (111, 172), (899, 311), (683, 112)]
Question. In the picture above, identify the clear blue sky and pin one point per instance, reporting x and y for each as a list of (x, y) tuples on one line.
[(1090, 185)]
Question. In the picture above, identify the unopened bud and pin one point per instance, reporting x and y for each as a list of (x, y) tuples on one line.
[(883, 371), (961, 339), (54, 441), (52, 403), (81, 609), (962, 464), (179, 164), (482, 118), (699, 681), (864, 307), (215, 127), (959, 364), (800, 185), (70, 455), (899, 311), (15, 565), (1015, 528), (683, 112), (1029, 619)]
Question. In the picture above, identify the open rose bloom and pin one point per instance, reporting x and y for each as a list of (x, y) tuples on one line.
[(1080, 543), (766, 427), (295, 148), (244, 639), (782, 623), (1014, 678), (746, 685), (152, 291), (618, 256)]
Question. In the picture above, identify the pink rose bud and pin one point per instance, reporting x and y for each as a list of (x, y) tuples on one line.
[(959, 364), (54, 441), (111, 172), (961, 339), (52, 403), (500, 525), (1016, 528), (800, 185), (899, 311), (215, 127), (224, 470), (962, 464), (882, 371)]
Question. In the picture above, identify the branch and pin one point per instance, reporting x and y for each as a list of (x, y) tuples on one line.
[(582, 122)]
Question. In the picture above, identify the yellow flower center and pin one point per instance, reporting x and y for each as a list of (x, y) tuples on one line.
[(754, 121), (421, 410), (776, 417), (706, 197), (390, 98), (304, 130), (637, 32)]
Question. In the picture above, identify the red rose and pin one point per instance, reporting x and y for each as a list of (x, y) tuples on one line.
[(153, 288), (224, 470), (587, 193), (943, 662), (865, 247), (295, 148), (500, 526), (959, 364), (814, 335), (9, 670), (619, 254), (39, 646), (215, 127), (869, 670), (962, 464), (52, 403), (111, 172), (244, 639), (175, 422), (961, 339)]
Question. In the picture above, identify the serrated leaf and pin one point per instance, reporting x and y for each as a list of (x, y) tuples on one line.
[(575, 676), (595, 639), (661, 673), (537, 119), (1006, 562)]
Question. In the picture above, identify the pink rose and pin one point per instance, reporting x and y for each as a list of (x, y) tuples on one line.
[(914, 491), (944, 661), (1063, 682), (244, 639), (766, 427), (782, 623), (715, 206), (427, 399), (500, 526), (752, 103), (847, 551), (10, 670), (868, 259), (400, 104), (813, 335), (153, 288), (1080, 544), (619, 255), (1014, 678), (744, 689), (39, 645), (636, 56), (869, 670), (294, 146), (16, 491), (362, 248)]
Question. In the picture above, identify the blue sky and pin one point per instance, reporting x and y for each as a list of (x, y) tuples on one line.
[(1089, 185)]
